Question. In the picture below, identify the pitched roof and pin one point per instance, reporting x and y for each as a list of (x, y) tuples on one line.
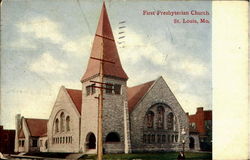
[(21, 134), (76, 97), (104, 47), (37, 127), (136, 93)]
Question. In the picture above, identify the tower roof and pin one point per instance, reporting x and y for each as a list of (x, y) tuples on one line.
[(104, 47)]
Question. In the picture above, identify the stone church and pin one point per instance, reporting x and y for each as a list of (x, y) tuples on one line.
[(143, 118)]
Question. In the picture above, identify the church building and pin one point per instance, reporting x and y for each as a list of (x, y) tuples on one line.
[(142, 118)]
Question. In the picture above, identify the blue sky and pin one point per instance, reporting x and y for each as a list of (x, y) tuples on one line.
[(46, 44)]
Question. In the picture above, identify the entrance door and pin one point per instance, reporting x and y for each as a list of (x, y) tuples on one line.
[(91, 141), (191, 144)]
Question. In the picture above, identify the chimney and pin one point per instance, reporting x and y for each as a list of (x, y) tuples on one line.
[(18, 127), (200, 109)]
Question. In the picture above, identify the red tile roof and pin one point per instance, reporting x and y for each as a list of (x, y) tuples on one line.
[(76, 96), (136, 93), (44, 135), (104, 47), (37, 127), (21, 134)]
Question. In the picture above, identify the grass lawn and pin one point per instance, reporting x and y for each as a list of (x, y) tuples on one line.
[(154, 156)]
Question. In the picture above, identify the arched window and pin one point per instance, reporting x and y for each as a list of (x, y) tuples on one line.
[(144, 138), (57, 126), (68, 123), (159, 138), (160, 117), (163, 138), (150, 119), (153, 138), (176, 138), (172, 140), (113, 137), (46, 144), (149, 141), (62, 118), (170, 121)]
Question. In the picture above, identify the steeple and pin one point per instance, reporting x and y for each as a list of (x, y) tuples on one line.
[(104, 47)]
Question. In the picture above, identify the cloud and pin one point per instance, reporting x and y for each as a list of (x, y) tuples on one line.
[(190, 66), (42, 27), (46, 29), (161, 53), (31, 103), (174, 85), (48, 64), (78, 47), (22, 43), (190, 102), (135, 48)]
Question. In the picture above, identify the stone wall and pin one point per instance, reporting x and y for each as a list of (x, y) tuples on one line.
[(113, 115), (158, 94), (89, 116)]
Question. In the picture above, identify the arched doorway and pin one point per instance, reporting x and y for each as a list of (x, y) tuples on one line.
[(90, 141), (191, 143), (113, 137)]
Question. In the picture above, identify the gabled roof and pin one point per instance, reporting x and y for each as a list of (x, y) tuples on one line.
[(76, 97), (104, 47), (136, 93), (21, 134), (36, 127)]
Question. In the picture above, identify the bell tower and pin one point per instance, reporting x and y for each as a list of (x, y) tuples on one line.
[(115, 129)]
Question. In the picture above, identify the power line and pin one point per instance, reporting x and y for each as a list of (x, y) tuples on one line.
[(85, 18)]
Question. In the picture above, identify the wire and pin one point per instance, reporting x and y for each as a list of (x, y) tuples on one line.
[(85, 18)]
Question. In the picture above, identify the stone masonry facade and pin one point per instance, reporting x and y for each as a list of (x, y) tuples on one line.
[(143, 118), (158, 94)]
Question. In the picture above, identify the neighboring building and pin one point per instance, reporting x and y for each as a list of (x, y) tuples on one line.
[(31, 134), (64, 122), (43, 143), (201, 130), (146, 117), (7, 140)]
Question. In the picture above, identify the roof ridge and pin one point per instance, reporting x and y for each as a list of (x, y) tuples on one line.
[(142, 83), (76, 97), (136, 93), (73, 89), (35, 119)]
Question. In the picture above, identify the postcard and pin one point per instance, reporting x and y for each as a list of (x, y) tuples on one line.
[(106, 77)]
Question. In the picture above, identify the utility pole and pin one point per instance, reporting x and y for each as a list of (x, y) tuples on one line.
[(100, 105)]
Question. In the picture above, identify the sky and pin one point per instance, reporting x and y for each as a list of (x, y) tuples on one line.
[(46, 44)]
